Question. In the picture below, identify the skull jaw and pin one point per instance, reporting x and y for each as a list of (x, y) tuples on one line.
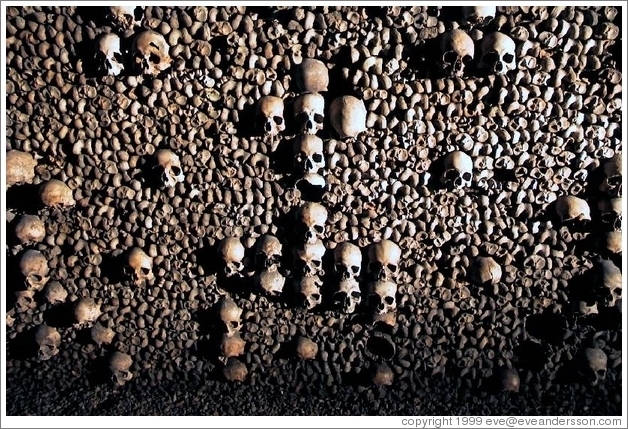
[(168, 179), (120, 377), (345, 302), (232, 269)]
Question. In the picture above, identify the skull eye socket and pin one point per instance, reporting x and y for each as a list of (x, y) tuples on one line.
[(316, 296), (451, 174), (278, 120), (491, 57), (450, 57), (118, 57), (145, 271), (614, 181), (356, 294), (375, 266), (389, 300), (355, 269), (153, 58), (466, 176), (392, 268), (509, 58), (318, 118), (36, 277), (319, 229), (317, 157), (176, 170), (316, 263), (234, 324), (608, 218)]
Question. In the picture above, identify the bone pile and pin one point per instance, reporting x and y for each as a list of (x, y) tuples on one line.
[(384, 203)]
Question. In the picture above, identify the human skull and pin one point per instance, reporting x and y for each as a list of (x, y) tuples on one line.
[(381, 296), (610, 212), (348, 116), (457, 170), (457, 49), (311, 182), (150, 53), (271, 282), (595, 361), (126, 17), (310, 221), (570, 209), (478, 13), (348, 296), (231, 252), (109, 59), (235, 370), (101, 335), (30, 229), (305, 348), (86, 311), (498, 53), (229, 314), (309, 111), (48, 341), (383, 376), (312, 76), (485, 270), (308, 291), (348, 260), (34, 267), (270, 115), (268, 252), (55, 293), (20, 168), (139, 266), (510, 380), (55, 193), (309, 258), (384, 259), (25, 300), (168, 166), (612, 241), (232, 346), (308, 154), (611, 184), (609, 280), (120, 368)]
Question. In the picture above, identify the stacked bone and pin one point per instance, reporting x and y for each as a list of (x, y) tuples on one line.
[(499, 266)]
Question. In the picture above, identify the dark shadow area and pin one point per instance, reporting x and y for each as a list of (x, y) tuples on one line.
[(532, 355), (98, 371), (112, 268), (14, 280), (60, 316), (380, 345), (24, 199), (547, 326), (23, 346), (281, 159), (207, 258)]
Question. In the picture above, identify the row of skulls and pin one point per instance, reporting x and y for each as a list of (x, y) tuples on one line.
[(150, 51)]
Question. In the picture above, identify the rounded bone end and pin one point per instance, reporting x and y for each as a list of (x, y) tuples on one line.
[(383, 375), (235, 371), (306, 349), (20, 167), (348, 116), (30, 229), (312, 76), (55, 193)]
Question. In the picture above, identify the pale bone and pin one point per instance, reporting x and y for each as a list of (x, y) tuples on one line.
[(382, 296), (270, 115), (271, 282), (478, 13), (101, 335), (109, 60), (120, 368), (232, 346), (34, 268), (309, 258), (457, 170), (609, 281), (309, 111), (139, 266), (229, 314), (485, 269), (151, 53), (308, 291), (231, 252), (48, 341), (54, 193), (312, 76), (384, 259), (348, 295), (572, 209), (20, 168), (168, 165), (55, 293), (498, 53), (348, 261), (124, 17), (457, 50), (348, 116), (309, 154), (86, 311), (268, 252), (310, 219), (30, 229), (595, 361)]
